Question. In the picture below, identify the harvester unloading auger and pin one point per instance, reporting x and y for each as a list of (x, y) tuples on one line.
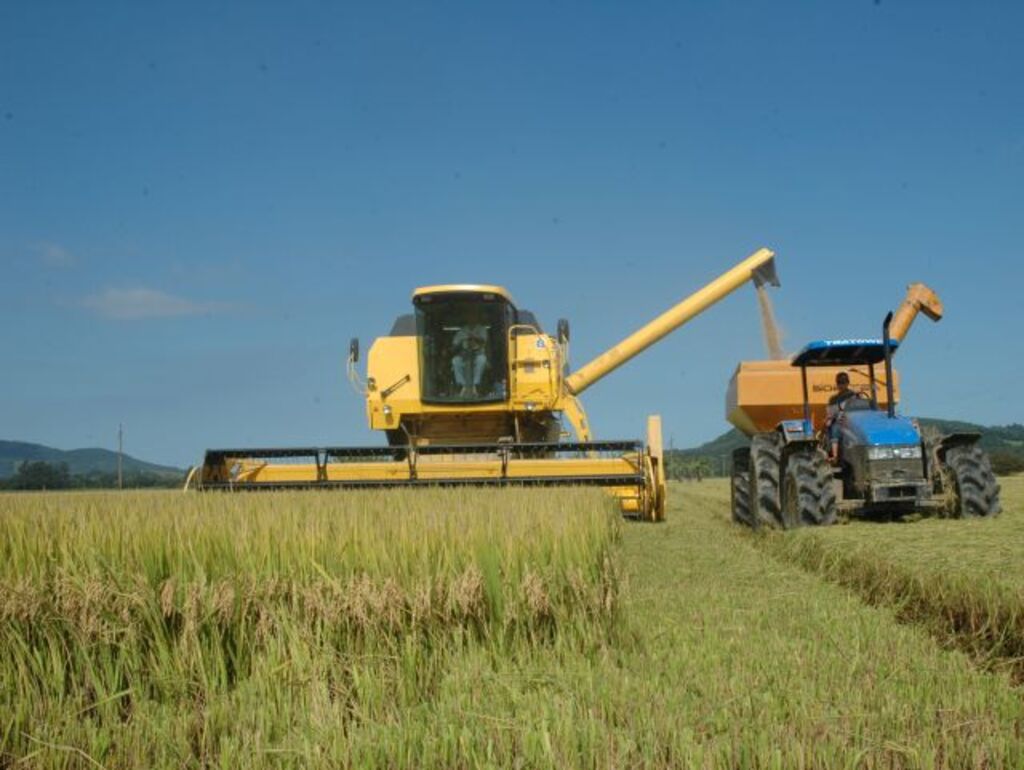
[(470, 391)]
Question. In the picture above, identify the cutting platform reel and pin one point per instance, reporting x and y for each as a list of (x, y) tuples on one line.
[(632, 471)]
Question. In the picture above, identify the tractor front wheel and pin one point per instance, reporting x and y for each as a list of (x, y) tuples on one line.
[(808, 499), (975, 491)]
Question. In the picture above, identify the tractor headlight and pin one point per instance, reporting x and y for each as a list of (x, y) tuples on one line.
[(894, 452)]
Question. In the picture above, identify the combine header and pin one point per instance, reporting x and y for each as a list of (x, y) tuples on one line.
[(469, 390)]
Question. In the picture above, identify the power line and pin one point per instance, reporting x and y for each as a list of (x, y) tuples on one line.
[(120, 456)]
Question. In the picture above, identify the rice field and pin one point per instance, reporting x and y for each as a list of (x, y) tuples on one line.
[(519, 628), (963, 580)]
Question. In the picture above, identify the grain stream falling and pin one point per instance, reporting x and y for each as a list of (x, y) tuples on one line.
[(769, 326)]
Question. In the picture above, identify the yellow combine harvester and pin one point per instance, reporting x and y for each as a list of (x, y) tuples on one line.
[(469, 390)]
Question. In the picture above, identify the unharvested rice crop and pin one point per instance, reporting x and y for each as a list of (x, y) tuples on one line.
[(512, 629), (118, 610)]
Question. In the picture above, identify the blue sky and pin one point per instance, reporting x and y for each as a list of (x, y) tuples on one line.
[(200, 204)]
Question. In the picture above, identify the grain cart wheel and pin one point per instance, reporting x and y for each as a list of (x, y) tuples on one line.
[(741, 513), (975, 491), (740, 489), (765, 486), (808, 499)]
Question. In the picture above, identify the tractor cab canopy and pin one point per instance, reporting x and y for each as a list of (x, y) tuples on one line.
[(843, 352)]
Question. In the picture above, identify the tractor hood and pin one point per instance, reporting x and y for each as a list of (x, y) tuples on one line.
[(873, 428)]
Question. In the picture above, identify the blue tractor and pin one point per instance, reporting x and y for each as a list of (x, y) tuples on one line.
[(865, 460)]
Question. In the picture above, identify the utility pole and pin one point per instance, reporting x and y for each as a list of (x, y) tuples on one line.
[(120, 456)]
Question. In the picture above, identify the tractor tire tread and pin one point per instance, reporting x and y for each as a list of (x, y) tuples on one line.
[(809, 476), (976, 489), (766, 481), (741, 513)]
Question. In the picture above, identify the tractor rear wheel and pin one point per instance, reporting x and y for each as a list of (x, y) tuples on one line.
[(765, 481), (975, 491), (808, 499), (741, 499)]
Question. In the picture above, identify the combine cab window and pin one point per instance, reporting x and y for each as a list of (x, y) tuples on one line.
[(463, 348)]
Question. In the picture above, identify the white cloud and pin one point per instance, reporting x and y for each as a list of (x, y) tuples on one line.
[(53, 255), (138, 303)]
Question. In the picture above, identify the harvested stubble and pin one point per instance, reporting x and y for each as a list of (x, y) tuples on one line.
[(963, 580), (764, 665)]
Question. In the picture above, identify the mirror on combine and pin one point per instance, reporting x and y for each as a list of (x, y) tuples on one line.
[(353, 350), (563, 330)]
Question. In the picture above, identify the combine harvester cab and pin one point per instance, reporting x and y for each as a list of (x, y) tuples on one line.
[(863, 459), (470, 390)]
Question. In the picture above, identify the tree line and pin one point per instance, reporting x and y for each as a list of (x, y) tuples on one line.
[(39, 474), (679, 466), (1006, 463)]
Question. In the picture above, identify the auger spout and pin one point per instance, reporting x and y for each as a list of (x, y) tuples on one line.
[(919, 299), (758, 267)]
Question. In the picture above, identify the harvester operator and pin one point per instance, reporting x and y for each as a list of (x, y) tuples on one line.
[(470, 359)]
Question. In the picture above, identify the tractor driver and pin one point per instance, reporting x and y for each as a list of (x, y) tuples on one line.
[(470, 359), (835, 406)]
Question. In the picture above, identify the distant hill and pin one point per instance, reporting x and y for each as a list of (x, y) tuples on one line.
[(79, 461), (1002, 439)]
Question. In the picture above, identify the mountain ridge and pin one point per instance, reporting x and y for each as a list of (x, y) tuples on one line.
[(79, 461), (1008, 439)]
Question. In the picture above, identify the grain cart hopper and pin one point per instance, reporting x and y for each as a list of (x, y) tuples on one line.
[(763, 393), (885, 464), (468, 389)]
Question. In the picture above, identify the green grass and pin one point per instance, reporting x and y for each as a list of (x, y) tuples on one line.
[(582, 643)]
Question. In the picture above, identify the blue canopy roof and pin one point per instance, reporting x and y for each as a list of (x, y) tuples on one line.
[(843, 352)]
